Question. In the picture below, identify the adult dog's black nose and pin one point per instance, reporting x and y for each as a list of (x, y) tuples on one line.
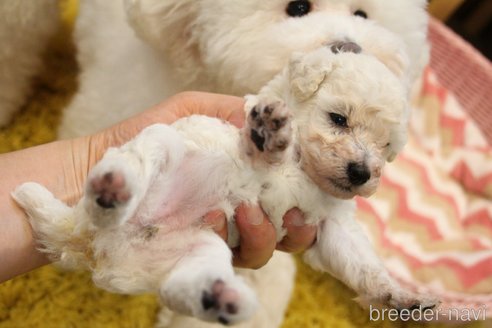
[(345, 46), (358, 174)]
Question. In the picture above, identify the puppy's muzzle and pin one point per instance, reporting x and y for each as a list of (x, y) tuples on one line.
[(358, 173)]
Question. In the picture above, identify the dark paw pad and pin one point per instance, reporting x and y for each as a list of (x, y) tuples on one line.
[(105, 202), (270, 128), (209, 301), (221, 300), (258, 140), (110, 189), (223, 320)]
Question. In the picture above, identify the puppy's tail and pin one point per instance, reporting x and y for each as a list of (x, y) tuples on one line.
[(53, 224)]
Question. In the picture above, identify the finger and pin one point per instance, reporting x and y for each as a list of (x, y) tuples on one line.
[(229, 108), (226, 107), (299, 235), (217, 221), (236, 117), (257, 238)]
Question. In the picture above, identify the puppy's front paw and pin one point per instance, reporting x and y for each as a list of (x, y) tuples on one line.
[(400, 300), (410, 301), (269, 130)]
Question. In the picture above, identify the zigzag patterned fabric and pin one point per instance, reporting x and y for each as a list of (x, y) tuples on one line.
[(431, 219)]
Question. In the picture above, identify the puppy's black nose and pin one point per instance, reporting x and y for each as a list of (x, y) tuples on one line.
[(358, 174)]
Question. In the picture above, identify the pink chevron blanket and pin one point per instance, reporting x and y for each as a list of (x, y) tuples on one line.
[(431, 220)]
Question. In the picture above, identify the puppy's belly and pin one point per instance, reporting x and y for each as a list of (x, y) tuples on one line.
[(212, 175), (202, 183)]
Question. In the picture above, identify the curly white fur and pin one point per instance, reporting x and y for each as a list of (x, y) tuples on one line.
[(308, 146), (25, 28), (134, 53)]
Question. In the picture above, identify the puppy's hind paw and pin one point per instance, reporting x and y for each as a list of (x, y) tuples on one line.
[(227, 302), (269, 131), (224, 301), (109, 189), (108, 192)]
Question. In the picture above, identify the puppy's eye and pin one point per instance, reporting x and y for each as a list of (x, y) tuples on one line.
[(298, 8), (338, 120), (360, 13)]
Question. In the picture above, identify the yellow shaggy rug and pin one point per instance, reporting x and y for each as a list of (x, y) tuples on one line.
[(48, 297)]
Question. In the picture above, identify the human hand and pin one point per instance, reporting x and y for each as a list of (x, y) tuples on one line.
[(86, 151), (62, 167), (257, 234), (228, 108)]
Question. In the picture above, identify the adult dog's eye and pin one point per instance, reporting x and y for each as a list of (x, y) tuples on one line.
[(298, 8), (360, 13), (339, 120)]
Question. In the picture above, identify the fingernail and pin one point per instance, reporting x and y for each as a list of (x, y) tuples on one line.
[(254, 215), (295, 218)]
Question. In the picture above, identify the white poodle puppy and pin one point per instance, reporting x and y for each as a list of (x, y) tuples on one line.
[(316, 136), (25, 28), (134, 53)]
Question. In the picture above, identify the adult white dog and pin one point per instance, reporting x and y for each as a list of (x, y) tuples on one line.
[(316, 136), (134, 53)]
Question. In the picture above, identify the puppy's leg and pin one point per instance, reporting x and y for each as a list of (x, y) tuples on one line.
[(268, 131), (119, 182), (111, 190), (203, 284), (273, 298), (52, 221), (343, 250)]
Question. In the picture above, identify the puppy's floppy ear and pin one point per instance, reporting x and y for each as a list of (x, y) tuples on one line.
[(306, 73), (398, 139), (398, 130)]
